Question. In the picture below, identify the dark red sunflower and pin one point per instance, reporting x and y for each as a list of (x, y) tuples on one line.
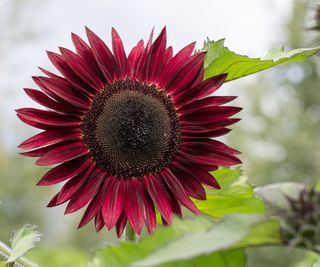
[(128, 133)]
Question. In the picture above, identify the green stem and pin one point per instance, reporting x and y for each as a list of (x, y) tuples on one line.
[(130, 234), (5, 251)]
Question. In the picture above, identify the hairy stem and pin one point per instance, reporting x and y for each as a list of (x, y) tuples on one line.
[(130, 234), (5, 251)]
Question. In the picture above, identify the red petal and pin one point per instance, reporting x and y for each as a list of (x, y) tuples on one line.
[(49, 117), (175, 64), (187, 75), (49, 73), (175, 205), (219, 131), (114, 201), (154, 61), (168, 55), (62, 92), (65, 171), (209, 113), (133, 205), (84, 51), (206, 178), (164, 222), (93, 208), (53, 201), (150, 214), (98, 221), (192, 186), (139, 72), (209, 145), (159, 195), (103, 56), (198, 80), (208, 121), (36, 124), (209, 127), (51, 137), (71, 187), (134, 56), (149, 43), (87, 191), (50, 92), (119, 53), (210, 101), (121, 224), (178, 190), (201, 90), (218, 159), (71, 76), (46, 101), (39, 152), (198, 173), (81, 68), (63, 153)]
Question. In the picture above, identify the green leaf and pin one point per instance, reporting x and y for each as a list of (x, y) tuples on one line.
[(194, 242), (226, 176), (280, 256), (265, 232), (22, 241), (126, 253), (225, 234), (234, 231), (219, 206), (229, 258), (220, 59), (235, 196)]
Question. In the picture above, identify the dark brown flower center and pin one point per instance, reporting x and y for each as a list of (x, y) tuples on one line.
[(132, 129)]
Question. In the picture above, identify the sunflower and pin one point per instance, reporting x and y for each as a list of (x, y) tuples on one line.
[(128, 134)]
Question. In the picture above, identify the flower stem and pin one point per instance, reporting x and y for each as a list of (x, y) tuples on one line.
[(130, 234), (5, 251)]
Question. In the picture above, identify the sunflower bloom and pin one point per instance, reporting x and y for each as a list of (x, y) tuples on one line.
[(128, 133)]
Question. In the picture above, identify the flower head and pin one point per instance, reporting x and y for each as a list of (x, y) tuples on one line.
[(128, 133), (301, 221)]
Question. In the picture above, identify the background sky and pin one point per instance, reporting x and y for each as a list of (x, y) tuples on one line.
[(250, 27)]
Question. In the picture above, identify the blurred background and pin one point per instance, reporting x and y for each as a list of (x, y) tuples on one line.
[(279, 132)]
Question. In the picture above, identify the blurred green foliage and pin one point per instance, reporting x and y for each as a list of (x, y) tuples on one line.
[(21, 204), (59, 257), (277, 256)]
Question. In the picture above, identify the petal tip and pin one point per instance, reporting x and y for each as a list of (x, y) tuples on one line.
[(40, 162)]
